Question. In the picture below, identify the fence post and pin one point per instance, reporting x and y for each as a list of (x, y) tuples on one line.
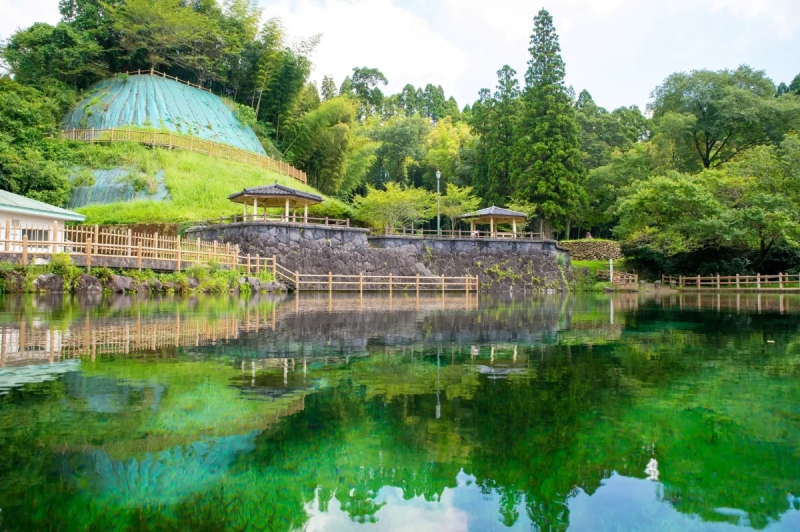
[(214, 250), (139, 256), (155, 245), (178, 242), (248, 264), (390, 283), (442, 285), (130, 242), (330, 283), (737, 281), (89, 255), (780, 280), (54, 238), (717, 281), (8, 235), (680, 281), (758, 281), (698, 281), (417, 285), (24, 249), (275, 267), (360, 284), (296, 281)]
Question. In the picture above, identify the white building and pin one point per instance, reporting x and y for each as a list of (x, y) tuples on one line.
[(40, 222)]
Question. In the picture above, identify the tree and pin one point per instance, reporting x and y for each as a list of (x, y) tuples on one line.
[(732, 111), (394, 207), (42, 53), (364, 87), (402, 149), (445, 144), (328, 90), (458, 201), (501, 135), (548, 169)]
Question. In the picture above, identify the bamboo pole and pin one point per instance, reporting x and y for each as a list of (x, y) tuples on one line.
[(25, 249), (89, 255), (139, 256), (178, 244)]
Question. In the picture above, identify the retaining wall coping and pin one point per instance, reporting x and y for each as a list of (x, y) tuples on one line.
[(268, 223)]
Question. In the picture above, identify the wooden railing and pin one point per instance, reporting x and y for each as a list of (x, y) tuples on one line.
[(621, 279), (780, 281), (184, 142), (292, 218), (137, 250), (154, 72), (413, 232)]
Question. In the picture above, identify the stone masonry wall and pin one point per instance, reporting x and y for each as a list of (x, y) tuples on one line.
[(501, 265)]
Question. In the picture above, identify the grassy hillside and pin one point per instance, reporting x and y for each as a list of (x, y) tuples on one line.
[(199, 185)]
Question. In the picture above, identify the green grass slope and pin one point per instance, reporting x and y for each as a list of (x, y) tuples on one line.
[(198, 185)]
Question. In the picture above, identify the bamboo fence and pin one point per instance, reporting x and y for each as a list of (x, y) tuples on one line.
[(624, 280), (179, 141), (413, 232)]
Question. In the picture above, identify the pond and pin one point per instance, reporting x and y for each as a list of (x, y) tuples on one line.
[(596, 413)]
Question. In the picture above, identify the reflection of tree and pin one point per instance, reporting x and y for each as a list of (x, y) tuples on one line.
[(533, 425)]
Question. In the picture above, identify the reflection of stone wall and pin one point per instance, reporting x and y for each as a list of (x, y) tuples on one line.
[(502, 265)]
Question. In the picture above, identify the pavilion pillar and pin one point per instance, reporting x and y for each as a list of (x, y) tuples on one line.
[(514, 227), (245, 210), (305, 214), (255, 208), (491, 227), (287, 209), (472, 228)]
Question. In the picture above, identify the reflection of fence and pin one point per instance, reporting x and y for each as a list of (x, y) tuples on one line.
[(624, 280), (780, 281), (458, 233), (417, 283), (25, 342), (184, 142)]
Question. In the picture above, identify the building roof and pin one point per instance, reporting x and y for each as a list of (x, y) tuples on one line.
[(276, 191), (495, 212), (10, 202)]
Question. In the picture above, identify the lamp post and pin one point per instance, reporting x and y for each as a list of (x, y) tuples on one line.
[(438, 205)]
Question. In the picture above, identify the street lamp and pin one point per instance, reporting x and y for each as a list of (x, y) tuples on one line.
[(438, 205)]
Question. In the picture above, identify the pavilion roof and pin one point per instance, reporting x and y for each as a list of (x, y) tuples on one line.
[(276, 191), (494, 212)]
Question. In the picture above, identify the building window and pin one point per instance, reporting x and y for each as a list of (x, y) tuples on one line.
[(36, 235)]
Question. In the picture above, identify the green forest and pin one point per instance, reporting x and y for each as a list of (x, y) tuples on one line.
[(705, 180)]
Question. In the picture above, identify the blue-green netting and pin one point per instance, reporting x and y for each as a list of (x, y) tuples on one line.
[(111, 186), (152, 101)]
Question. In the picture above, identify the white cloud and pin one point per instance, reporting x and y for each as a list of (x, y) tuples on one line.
[(372, 33), (16, 14)]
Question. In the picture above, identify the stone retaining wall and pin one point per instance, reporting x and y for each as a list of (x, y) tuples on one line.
[(532, 266)]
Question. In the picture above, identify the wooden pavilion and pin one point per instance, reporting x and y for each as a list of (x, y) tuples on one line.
[(276, 196), (493, 216)]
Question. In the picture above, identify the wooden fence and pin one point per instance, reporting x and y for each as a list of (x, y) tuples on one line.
[(179, 141), (412, 232), (292, 218), (126, 249), (154, 72), (627, 281), (780, 281)]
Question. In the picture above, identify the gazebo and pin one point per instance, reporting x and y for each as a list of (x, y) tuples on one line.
[(493, 216), (275, 196)]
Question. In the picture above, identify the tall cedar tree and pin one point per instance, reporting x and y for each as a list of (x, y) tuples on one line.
[(547, 165)]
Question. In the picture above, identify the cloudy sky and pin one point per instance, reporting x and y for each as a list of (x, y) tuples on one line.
[(617, 49)]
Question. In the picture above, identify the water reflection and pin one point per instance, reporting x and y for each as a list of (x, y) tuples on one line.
[(349, 413)]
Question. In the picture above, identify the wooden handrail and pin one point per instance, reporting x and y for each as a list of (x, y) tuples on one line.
[(184, 142), (758, 281), (299, 220), (412, 232)]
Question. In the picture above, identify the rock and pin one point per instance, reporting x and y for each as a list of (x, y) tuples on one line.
[(119, 284), (14, 283), (254, 283), (193, 283), (273, 286), (49, 282), (142, 288), (88, 284), (156, 285), (171, 286)]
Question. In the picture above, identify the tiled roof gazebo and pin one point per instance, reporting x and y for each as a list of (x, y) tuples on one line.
[(275, 196), (493, 216)]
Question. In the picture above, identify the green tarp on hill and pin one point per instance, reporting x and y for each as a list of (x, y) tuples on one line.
[(153, 101)]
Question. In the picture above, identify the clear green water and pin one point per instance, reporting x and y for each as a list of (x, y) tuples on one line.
[(523, 414)]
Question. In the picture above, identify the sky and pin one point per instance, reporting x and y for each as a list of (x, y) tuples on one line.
[(619, 50)]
